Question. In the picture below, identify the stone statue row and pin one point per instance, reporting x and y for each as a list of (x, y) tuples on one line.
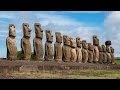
[(73, 50)]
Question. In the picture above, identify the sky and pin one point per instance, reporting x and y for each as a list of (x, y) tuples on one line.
[(83, 24)]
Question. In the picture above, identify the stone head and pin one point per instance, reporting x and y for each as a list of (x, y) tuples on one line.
[(95, 40), (103, 48), (26, 30), (73, 43), (58, 37), (108, 43), (66, 40), (12, 30), (112, 49), (79, 43), (49, 36), (84, 44), (38, 30), (90, 46)]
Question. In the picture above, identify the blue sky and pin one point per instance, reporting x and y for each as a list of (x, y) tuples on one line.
[(84, 24)]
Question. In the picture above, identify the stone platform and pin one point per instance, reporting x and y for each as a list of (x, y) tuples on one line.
[(21, 65)]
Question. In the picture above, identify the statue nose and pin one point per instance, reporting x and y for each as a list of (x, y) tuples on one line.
[(30, 30)]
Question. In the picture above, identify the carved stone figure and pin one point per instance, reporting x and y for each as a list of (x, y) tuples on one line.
[(112, 55), (108, 51), (73, 50), (66, 48), (84, 51), (104, 54), (37, 43), (58, 48), (11, 43), (100, 54), (96, 51), (79, 50), (25, 42), (49, 53), (90, 52)]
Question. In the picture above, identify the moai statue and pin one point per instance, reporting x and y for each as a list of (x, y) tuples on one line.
[(73, 50), (79, 50), (58, 48), (25, 42), (112, 55), (11, 43), (66, 48), (37, 43), (100, 54), (104, 54), (84, 51), (90, 52), (49, 53), (108, 51), (96, 51)]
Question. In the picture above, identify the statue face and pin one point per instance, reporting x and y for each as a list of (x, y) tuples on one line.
[(84, 44), (89, 45), (73, 42), (103, 48), (12, 30), (38, 30), (79, 44), (112, 49), (66, 40), (58, 37), (26, 30), (95, 40), (49, 36)]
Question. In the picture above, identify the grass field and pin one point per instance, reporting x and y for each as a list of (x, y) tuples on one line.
[(65, 74), (117, 61)]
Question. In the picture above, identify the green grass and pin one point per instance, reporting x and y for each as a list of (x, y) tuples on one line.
[(117, 61), (68, 74)]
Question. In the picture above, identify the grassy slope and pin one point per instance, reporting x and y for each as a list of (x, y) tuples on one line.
[(69, 74)]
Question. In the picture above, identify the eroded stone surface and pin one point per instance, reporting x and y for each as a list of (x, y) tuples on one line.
[(58, 47), (100, 54), (66, 49), (96, 51), (90, 52), (37, 43), (108, 52), (25, 42), (49, 53), (11, 43), (104, 54), (84, 51), (112, 55), (73, 50), (79, 50)]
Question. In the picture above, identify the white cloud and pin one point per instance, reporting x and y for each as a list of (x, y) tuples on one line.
[(3, 31), (57, 19), (112, 26)]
